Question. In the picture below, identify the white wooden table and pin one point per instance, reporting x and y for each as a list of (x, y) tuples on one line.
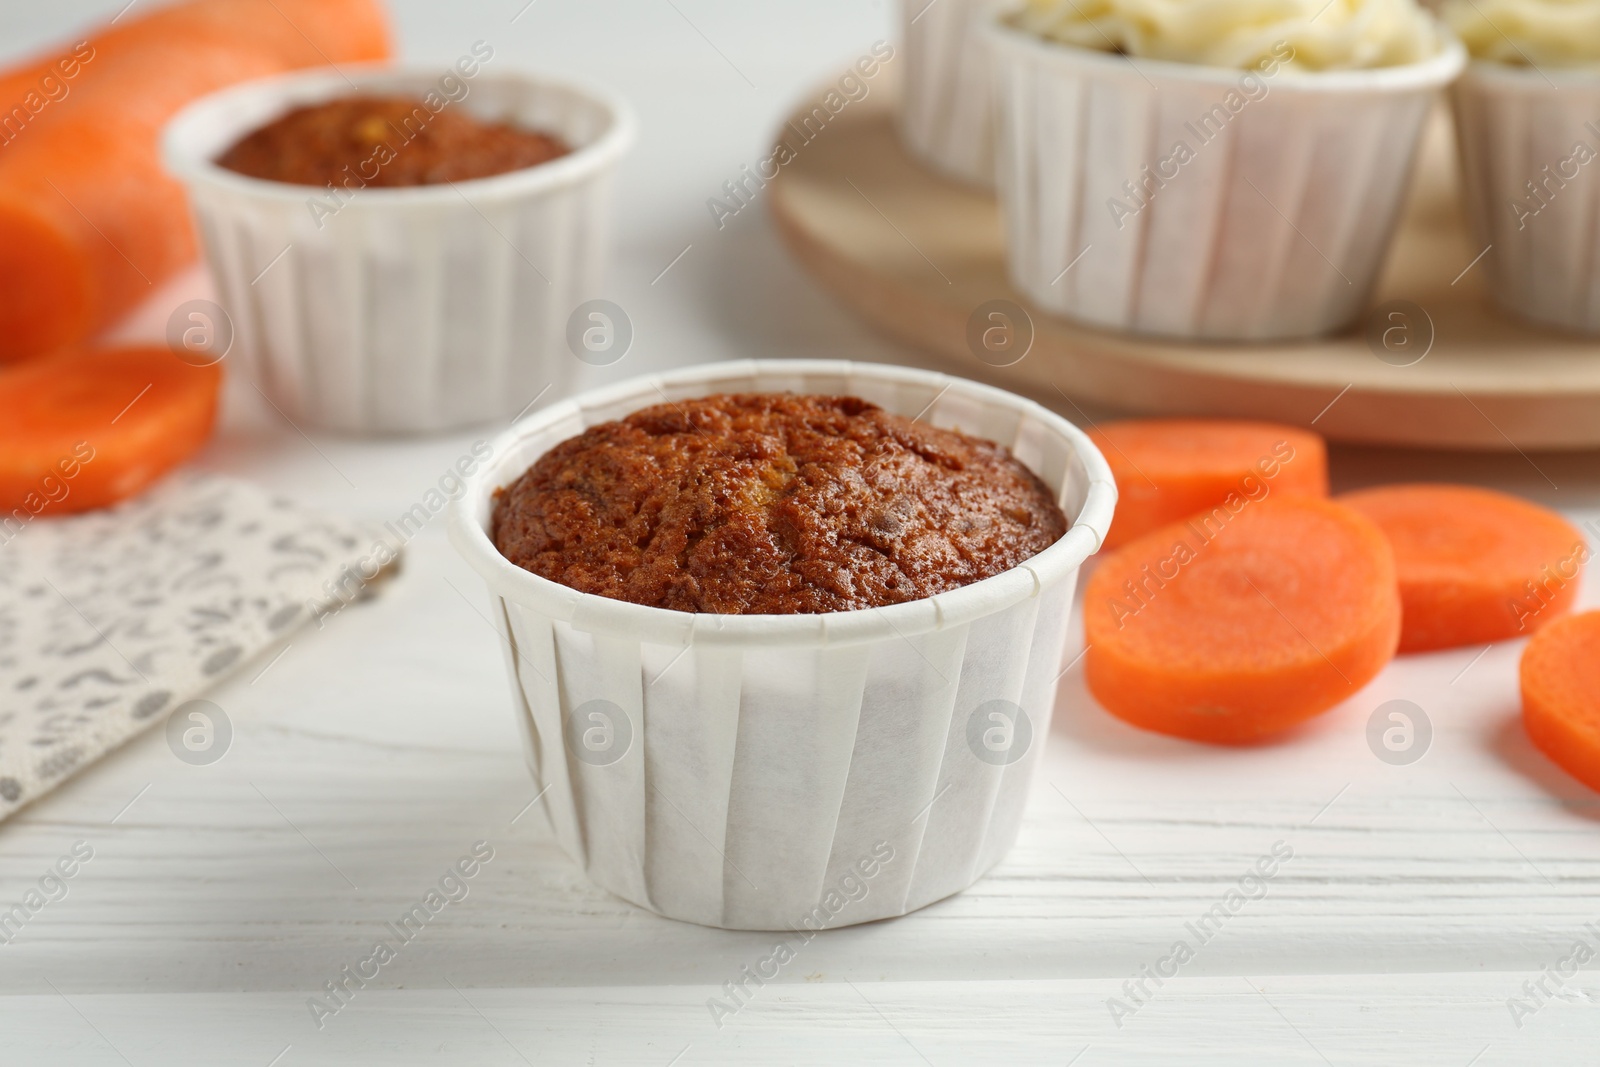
[(371, 754)]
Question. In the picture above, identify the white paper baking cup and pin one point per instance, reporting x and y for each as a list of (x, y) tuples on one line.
[(1277, 226), (947, 91), (410, 309), (1512, 124), (743, 767)]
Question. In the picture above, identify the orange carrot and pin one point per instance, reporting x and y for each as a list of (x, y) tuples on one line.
[(1170, 469), (90, 223), (1561, 694), (1230, 632), (33, 85), (90, 428), (1474, 565)]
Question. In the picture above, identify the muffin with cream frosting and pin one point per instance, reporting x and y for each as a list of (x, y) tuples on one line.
[(1526, 113), (1532, 33), (946, 97), (1210, 169), (1240, 34)]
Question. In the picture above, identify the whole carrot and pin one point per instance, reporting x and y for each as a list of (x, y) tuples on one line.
[(90, 223)]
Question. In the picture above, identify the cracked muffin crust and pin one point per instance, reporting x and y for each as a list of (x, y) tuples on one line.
[(387, 142), (765, 503)]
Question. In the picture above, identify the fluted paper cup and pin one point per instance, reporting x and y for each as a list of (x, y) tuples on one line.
[(405, 309), (779, 772), (1530, 192), (1274, 226), (947, 92)]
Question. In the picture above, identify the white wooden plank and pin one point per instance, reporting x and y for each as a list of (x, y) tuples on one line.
[(1454, 1020)]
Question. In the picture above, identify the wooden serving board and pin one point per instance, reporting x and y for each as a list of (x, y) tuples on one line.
[(916, 254)]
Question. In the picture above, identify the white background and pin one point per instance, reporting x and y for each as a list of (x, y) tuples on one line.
[(1417, 901)]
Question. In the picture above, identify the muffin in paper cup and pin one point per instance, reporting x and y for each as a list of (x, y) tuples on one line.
[(1527, 114), (778, 772), (947, 92), (1202, 202), (411, 309)]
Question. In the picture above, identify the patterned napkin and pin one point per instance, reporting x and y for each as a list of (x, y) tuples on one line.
[(111, 619)]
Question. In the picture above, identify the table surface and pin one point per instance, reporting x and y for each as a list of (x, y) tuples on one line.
[(369, 754)]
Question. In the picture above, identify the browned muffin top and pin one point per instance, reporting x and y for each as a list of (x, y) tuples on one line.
[(385, 141), (773, 504)]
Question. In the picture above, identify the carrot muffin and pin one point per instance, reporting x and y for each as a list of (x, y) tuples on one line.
[(773, 504), (387, 142)]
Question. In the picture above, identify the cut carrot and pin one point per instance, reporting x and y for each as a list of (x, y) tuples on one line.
[(91, 428), (1561, 694), (90, 222), (1234, 630), (1474, 565), (1170, 469)]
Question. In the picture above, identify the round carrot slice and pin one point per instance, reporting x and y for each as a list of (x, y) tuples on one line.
[(88, 429), (1474, 565), (1561, 694), (1229, 629), (1170, 469), (50, 288)]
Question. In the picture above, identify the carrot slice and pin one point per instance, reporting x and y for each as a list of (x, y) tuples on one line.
[(1231, 632), (1170, 469), (88, 429), (90, 222), (1561, 694), (1474, 565)]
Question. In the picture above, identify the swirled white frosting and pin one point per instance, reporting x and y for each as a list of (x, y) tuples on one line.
[(1540, 33), (1323, 34)]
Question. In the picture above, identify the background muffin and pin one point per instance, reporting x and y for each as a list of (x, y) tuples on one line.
[(1240, 34), (1534, 33), (947, 96), (1226, 171), (1525, 113), (399, 306)]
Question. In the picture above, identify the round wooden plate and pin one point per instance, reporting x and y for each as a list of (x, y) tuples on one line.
[(916, 255)]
